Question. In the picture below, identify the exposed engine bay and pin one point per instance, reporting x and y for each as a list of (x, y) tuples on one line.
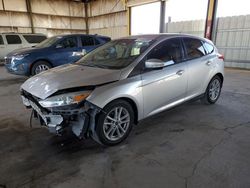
[(80, 118)]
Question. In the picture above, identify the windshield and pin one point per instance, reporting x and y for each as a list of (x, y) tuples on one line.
[(48, 42), (116, 54)]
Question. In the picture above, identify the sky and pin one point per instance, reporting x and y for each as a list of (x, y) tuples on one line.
[(182, 10), (233, 7), (145, 18)]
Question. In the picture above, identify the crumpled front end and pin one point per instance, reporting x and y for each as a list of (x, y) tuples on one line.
[(80, 118)]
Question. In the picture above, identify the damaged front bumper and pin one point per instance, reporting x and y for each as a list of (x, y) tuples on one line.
[(79, 119)]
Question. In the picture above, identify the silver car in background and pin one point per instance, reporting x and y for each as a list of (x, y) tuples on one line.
[(123, 82)]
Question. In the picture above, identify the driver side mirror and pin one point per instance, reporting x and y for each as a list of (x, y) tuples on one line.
[(157, 63)]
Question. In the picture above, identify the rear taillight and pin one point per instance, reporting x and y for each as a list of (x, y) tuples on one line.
[(220, 56)]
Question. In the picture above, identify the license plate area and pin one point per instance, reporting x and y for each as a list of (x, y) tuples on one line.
[(51, 120), (38, 110)]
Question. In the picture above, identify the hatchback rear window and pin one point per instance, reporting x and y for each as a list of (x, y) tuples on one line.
[(13, 39), (209, 48), (34, 38)]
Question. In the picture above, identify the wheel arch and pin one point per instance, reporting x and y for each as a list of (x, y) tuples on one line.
[(220, 76), (32, 64), (132, 103)]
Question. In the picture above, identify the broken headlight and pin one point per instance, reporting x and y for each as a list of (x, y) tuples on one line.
[(64, 99)]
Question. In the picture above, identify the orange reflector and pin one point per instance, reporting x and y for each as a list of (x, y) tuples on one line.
[(81, 97)]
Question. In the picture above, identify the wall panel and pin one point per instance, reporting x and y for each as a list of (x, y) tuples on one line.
[(14, 19), (140, 2), (108, 17), (194, 27), (113, 32), (58, 7), (233, 40), (102, 7), (114, 20), (15, 5), (49, 16)]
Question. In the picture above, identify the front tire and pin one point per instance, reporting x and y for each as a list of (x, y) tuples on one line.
[(213, 90), (40, 66), (115, 122)]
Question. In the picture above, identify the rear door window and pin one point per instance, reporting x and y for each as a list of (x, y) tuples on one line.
[(34, 38), (1, 40), (166, 51), (194, 48), (70, 42), (13, 39), (87, 41)]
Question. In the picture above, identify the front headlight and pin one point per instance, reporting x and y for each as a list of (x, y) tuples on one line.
[(20, 57), (65, 99)]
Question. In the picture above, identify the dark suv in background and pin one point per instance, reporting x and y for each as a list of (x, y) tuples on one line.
[(52, 52)]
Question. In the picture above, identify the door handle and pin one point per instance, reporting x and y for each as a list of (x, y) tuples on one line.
[(180, 72), (208, 63)]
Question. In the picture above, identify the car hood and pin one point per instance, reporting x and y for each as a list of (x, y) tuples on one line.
[(23, 51), (68, 76)]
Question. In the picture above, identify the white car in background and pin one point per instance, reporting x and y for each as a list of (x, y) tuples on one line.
[(13, 41)]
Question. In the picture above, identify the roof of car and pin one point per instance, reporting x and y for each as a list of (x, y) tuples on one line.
[(77, 34), (161, 36), (13, 33)]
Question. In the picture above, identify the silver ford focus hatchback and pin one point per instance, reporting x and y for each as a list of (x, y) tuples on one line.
[(122, 82)]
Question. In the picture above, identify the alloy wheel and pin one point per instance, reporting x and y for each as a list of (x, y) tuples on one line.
[(116, 123), (41, 68), (214, 89)]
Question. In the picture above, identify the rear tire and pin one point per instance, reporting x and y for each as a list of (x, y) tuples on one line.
[(40, 66), (115, 122), (213, 90)]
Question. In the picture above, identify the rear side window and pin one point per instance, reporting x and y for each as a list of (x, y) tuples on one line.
[(209, 48), (13, 39), (194, 48), (34, 38), (70, 42), (87, 41), (167, 50), (1, 40)]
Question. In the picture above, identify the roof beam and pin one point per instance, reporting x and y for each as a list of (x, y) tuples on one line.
[(211, 18), (29, 11)]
